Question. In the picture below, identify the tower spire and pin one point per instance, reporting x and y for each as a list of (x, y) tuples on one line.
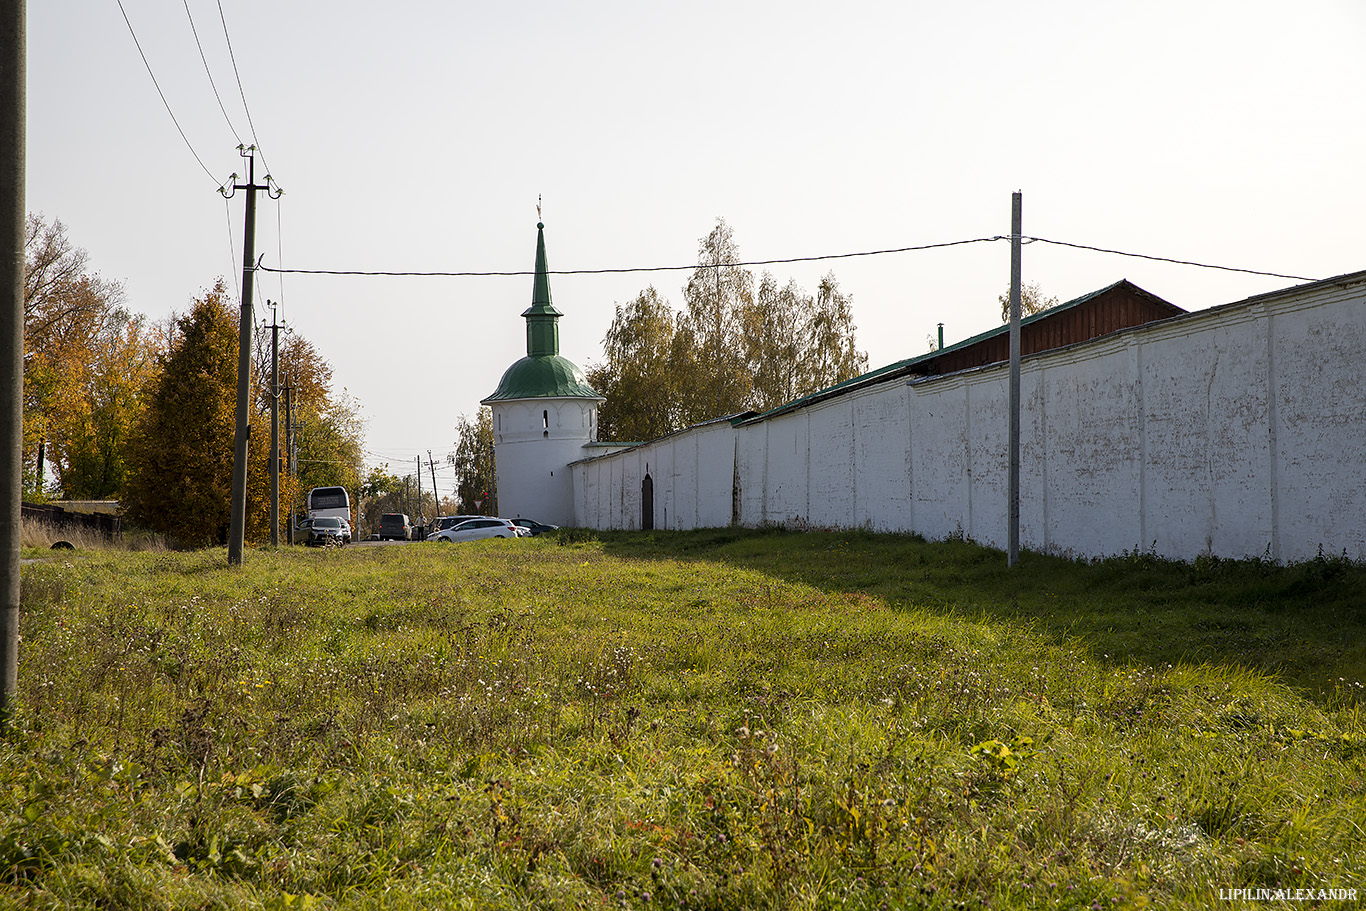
[(543, 373), (542, 319)]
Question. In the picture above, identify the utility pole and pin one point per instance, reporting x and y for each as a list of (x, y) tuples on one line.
[(12, 138), (418, 514), (289, 450), (237, 522), (435, 496), (1016, 228), (274, 425)]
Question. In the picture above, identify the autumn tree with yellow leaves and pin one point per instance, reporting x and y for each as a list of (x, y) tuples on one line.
[(736, 346), (85, 360)]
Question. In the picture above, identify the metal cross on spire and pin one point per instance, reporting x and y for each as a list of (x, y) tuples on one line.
[(538, 206)]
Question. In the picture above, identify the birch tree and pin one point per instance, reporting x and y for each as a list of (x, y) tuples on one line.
[(735, 346)]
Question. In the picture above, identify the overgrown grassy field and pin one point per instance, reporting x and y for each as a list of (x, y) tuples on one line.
[(715, 720)]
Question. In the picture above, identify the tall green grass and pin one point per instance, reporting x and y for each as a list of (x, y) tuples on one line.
[(717, 719)]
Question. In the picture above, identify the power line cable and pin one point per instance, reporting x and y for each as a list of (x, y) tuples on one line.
[(761, 262), (241, 91), (213, 85), (1164, 259), (232, 250), (772, 262), (163, 95)]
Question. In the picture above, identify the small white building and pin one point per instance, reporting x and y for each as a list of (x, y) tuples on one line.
[(544, 414)]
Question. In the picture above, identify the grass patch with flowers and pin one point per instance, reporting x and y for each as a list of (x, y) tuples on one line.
[(711, 720)]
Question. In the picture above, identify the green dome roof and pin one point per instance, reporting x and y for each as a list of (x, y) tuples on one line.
[(544, 376), (542, 373)]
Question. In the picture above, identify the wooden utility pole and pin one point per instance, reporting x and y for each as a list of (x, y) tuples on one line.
[(237, 522), (1016, 227), (12, 139)]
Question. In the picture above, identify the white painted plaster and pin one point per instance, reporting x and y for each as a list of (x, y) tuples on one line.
[(537, 440), (1239, 431)]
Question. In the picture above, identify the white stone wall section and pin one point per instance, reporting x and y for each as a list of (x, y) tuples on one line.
[(1238, 431)]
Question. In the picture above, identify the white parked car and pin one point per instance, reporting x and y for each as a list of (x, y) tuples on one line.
[(441, 523), (474, 529)]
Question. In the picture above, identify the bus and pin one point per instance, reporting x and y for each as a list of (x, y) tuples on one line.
[(329, 501)]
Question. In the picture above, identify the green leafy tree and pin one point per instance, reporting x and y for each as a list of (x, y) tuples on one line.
[(380, 481), (383, 492), (328, 443), (473, 461), (735, 347), (180, 457), (714, 380), (796, 344), (638, 377), (377, 496), (829, 354), (772, 340)]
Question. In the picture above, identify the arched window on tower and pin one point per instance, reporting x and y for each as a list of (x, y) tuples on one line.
[(545, 423)]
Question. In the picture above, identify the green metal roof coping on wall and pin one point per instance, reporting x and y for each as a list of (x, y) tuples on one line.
[(542, 373)]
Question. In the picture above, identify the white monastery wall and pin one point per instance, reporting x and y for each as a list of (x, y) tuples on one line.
[(751, 471), (1239, 431), (692, 473), (881, 461), (1318, 431), (715, 454)]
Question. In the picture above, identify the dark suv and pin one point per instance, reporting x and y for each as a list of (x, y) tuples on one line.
[(394, 526), (326, 531)]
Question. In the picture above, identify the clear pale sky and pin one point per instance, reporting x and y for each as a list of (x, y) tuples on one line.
[(418, 135)]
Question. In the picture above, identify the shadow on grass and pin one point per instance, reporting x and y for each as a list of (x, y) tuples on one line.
[(1304, 623)]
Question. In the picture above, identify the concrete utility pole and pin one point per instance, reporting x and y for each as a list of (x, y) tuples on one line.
[(237, 522), (289, 450), (435, 496), (1016, 227), (12, 140), (274, 426)]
